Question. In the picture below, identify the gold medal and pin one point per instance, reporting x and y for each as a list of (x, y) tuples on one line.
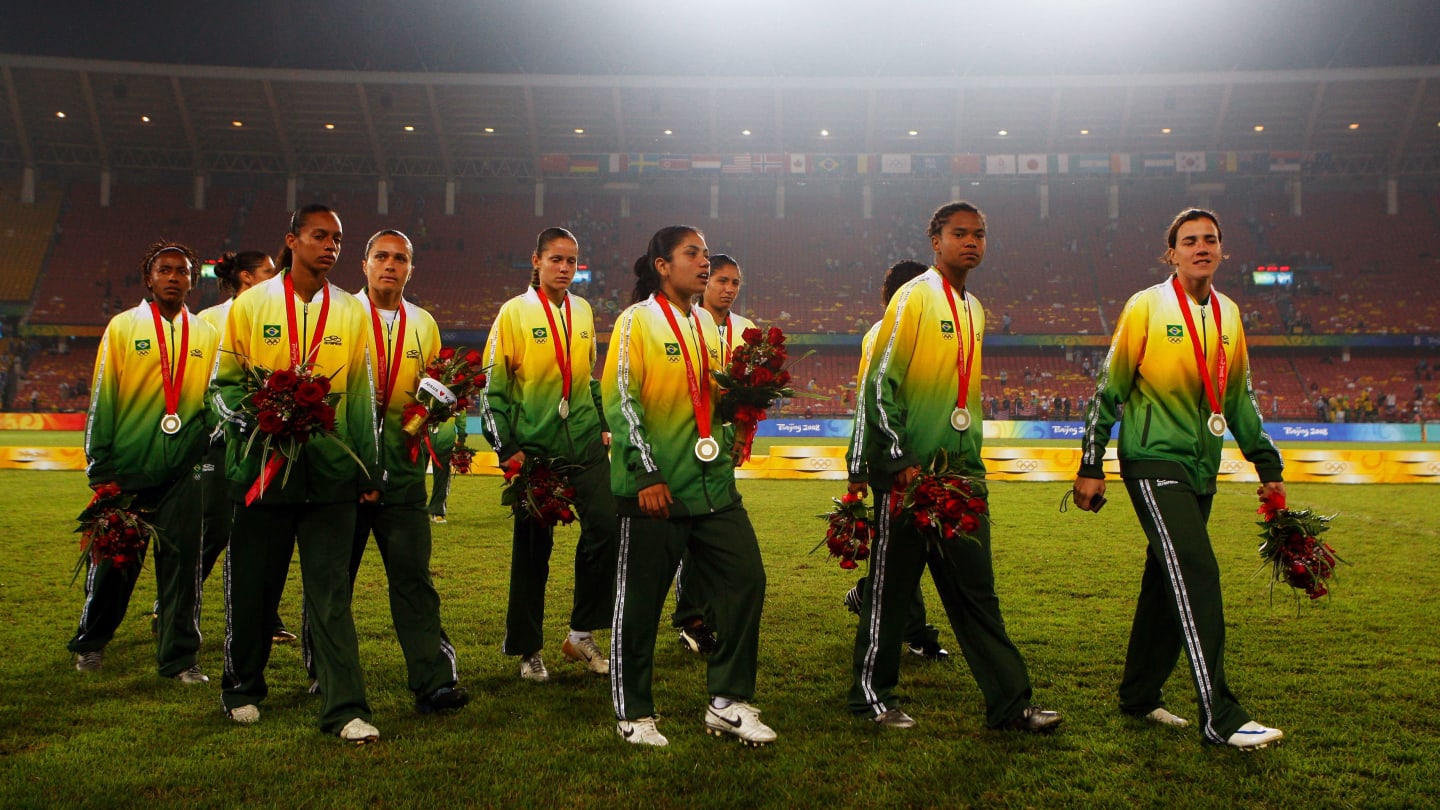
[(960, 419), (1216, 423), (170, 424), (707, 449)]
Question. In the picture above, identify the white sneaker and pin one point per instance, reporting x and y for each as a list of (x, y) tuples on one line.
[(641, 732), (89, 661), (192, 675), (532, 668), (740, 719), (1165, 718), (1252, 736), (359, 732), (588, 651), (245, 715), (894, 718)]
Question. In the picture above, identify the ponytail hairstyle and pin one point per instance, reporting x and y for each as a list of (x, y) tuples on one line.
[(543, 241), (662, 246), (163, 246), (297, 221), (231, 265)]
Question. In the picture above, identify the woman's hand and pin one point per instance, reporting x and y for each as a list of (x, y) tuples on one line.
[(655, 501)]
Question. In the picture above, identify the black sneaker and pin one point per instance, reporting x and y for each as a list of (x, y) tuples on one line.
[(699, 639), (1035, 718), (852, 600), (444, 699), (929, 650)]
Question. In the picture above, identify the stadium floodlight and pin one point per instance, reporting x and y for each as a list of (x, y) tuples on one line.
[(1357, 126), (824, 133), (329, 126), (669, 132), (914, 132), (579, 131), (237, 123), (1259, 127), (745, 132), (1002, 133), (1165, 131), (489, 130), (1084, 132), (59, 114)]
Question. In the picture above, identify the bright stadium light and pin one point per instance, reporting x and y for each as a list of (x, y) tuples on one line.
[(1259, 127), (409, 127), (669, 132), (1357, 126), (1084, 132), (914, 132), (489, 130), (237, 123), (579, 131), (144, 119), (824, 133), (745, 132), (329, 126), (59, 114), (1002, 133), (1165, 131)]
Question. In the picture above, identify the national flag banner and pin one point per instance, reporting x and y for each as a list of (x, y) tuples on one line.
[(674, 163), (1032, 164), (1285, 161), (999, 164), (705, 163), (1190, 162), (1090, 164), (832, 164), (640, 161), (894, 164), (1158, 163), (736, 164), (967, 164), (1120, 164), (555, 163), (930, 165), (799, 164), (619, 163), (1230, 161), (1060, 164), (768, 163), (585, 164)]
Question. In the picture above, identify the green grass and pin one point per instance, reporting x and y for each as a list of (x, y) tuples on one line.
[(1350, 680)]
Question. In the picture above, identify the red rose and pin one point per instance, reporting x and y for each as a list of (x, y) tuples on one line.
[(270, 422), (776, 362), (446, 353), (309, 393), (976, 505), (782, 378), (472, 357), (953, 508), (847, 564), (969, 523), (774, 335), (323, 382), (479, 380), (282, 380), (751, 336), (462, 403), (762, 376)]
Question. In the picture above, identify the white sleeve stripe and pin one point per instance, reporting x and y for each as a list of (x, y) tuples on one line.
[(882, 366), (627, 407)]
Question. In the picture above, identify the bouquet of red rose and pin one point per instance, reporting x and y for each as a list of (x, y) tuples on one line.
[(289, 407), (943, 504), (1291, 547), (755, 379), (450, 381), (540, 490), (461, 456), (849, 531), (111, 529)]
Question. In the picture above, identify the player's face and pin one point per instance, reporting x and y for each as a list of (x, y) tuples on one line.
[(556, 263), (169, 278), (688, 268), (960, 245), (722, 287), (388, 268), (265, 272), (1196, 254), (317, 247)]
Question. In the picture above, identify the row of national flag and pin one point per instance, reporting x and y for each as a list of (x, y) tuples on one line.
[(639, 164)]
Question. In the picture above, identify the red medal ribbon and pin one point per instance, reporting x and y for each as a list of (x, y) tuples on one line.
[(389, 364), (699, 394), (1222, 369), (964, 361), (562, 356), (172, 382), (295, 359)]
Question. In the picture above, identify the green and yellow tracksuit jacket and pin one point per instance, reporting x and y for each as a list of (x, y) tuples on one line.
[(859, 472), (404, 479)]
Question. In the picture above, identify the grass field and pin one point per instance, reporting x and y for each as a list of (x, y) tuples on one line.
[(1351, 680)]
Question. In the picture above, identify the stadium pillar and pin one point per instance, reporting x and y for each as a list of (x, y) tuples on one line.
[(27, 185), (1044, 198), (780, 200), (714, 199), (450, 198), (955, 191), (199, 185), (1297, 204), (539, 198), (867, 202), (1392, 196), (1112, 200), (382, 196), (292, 193), (625, 205), (105, 178)]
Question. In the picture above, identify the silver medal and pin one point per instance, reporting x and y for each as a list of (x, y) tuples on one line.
[(1216, 424), (564, 409), (707, 449), (170, 424), (960, 419)]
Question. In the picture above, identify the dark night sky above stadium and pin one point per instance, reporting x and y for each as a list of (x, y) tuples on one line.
[(739, 37)]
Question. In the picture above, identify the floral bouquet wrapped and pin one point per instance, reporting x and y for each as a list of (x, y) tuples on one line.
[(755, 379), (849, 531), (1291, 548), (461, 456), (942, 504), (112, 530), (288, 407), (449, 384), (540, 490)]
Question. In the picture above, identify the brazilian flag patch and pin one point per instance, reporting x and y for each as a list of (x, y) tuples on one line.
[(539, 333), (271, 331), (1174, 332), (947, 327), (142, 345), (672, 349)]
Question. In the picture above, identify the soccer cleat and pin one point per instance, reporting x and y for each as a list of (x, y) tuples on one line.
[(588, 651), (444, 699), (282, 636), (245, 715), (532, 668), (1252, 736), (641, 732), (1165, 718), (852, 600), (741, 720), (89, 661), (359, 732), (192, 675), (894, 718), (1035, 718), (929, 650), (698, 639)]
